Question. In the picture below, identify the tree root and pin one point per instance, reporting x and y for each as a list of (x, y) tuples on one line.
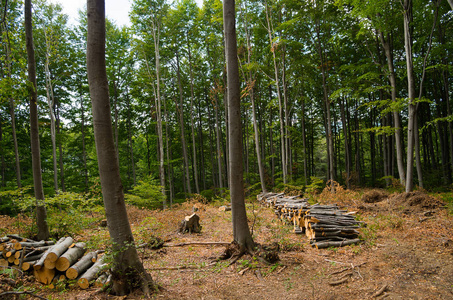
[(267, 254)]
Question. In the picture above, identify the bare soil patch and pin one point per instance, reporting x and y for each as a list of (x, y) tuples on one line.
[(407, 253)]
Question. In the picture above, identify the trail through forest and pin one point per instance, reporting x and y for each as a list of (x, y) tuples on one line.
[(407, 253)]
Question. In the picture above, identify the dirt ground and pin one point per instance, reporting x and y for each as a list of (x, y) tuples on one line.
[(407, 253)]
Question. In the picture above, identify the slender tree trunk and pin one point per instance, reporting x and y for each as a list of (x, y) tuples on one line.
[(127, 270), (131, 142), (304, 142), (168, 148), (41, 213), (279, 96), (60, 150), (347, 155), (396, 117), (241, 231), (181, 124), (84, 152), (51, 105), (329, 136), (11, 109), (156, 38), (192, 97), (219, 149), (412, 114)]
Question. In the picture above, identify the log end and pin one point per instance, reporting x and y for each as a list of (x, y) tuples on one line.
[(72, 273), (62, 264), (83, 283)]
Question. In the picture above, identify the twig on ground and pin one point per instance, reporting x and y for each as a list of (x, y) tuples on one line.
[(380, 291), (21, 293), (346, 269), (197, 243)]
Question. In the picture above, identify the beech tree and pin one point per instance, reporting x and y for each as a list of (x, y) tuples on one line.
[(241, 231), (127, 270), (41, 213)]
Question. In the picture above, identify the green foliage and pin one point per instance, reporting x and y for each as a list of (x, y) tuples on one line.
[(147, 194), (11, 200), (316, 185)]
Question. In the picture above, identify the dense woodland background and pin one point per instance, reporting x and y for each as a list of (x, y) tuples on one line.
[(317, 79)]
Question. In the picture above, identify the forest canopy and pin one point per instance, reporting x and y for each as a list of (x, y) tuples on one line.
[(328, 93)]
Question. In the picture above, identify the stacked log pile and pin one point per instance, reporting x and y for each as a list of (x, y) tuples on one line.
[(53, 262), (328, 226), (324, 225)]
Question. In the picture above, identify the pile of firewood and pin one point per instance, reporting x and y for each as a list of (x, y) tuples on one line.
[(324, 225), (328, 226), (54, 262)]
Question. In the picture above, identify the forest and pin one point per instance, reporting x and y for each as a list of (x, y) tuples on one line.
[(335, 98)]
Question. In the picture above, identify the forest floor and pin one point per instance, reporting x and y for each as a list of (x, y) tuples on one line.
[(407, 249)]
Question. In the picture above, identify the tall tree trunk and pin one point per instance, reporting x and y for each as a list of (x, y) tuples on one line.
[(11, 108), (131, 141), (279, 96), (241, 231), (84, 152), (329, 135), (168, 150), (386, 44), (156, 39), (219, 148), (347, 155), (127, 270), (304, 142), (181, 124), (192, 97), (60, 149), (51, 105), (412, 114), (41, 213)]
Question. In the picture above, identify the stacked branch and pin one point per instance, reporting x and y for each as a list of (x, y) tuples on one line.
[(324, 225)]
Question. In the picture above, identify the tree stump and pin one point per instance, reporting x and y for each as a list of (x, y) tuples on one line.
[(190, 224)]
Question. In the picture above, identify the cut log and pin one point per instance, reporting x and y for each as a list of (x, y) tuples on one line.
[(321, 245), (100, 282), (21, 245), (56, 251), (3, 262), (44, 275), (225, 208), (26, 265), (40, 263), (91, 274), (70, 257), (190, 224), (83, 264)]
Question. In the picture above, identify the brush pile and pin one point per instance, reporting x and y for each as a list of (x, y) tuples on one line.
[(324, 225), (52, 262)]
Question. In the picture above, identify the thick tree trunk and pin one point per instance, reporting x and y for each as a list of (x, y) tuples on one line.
[(241, 231), (127, 269), (41, 213)]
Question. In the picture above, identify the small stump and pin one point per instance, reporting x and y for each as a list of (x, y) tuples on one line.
[(190, 224)]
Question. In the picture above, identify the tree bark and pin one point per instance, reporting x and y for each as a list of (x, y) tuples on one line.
[(412, 114), (127, 269), (241, 231), (41, 213)]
